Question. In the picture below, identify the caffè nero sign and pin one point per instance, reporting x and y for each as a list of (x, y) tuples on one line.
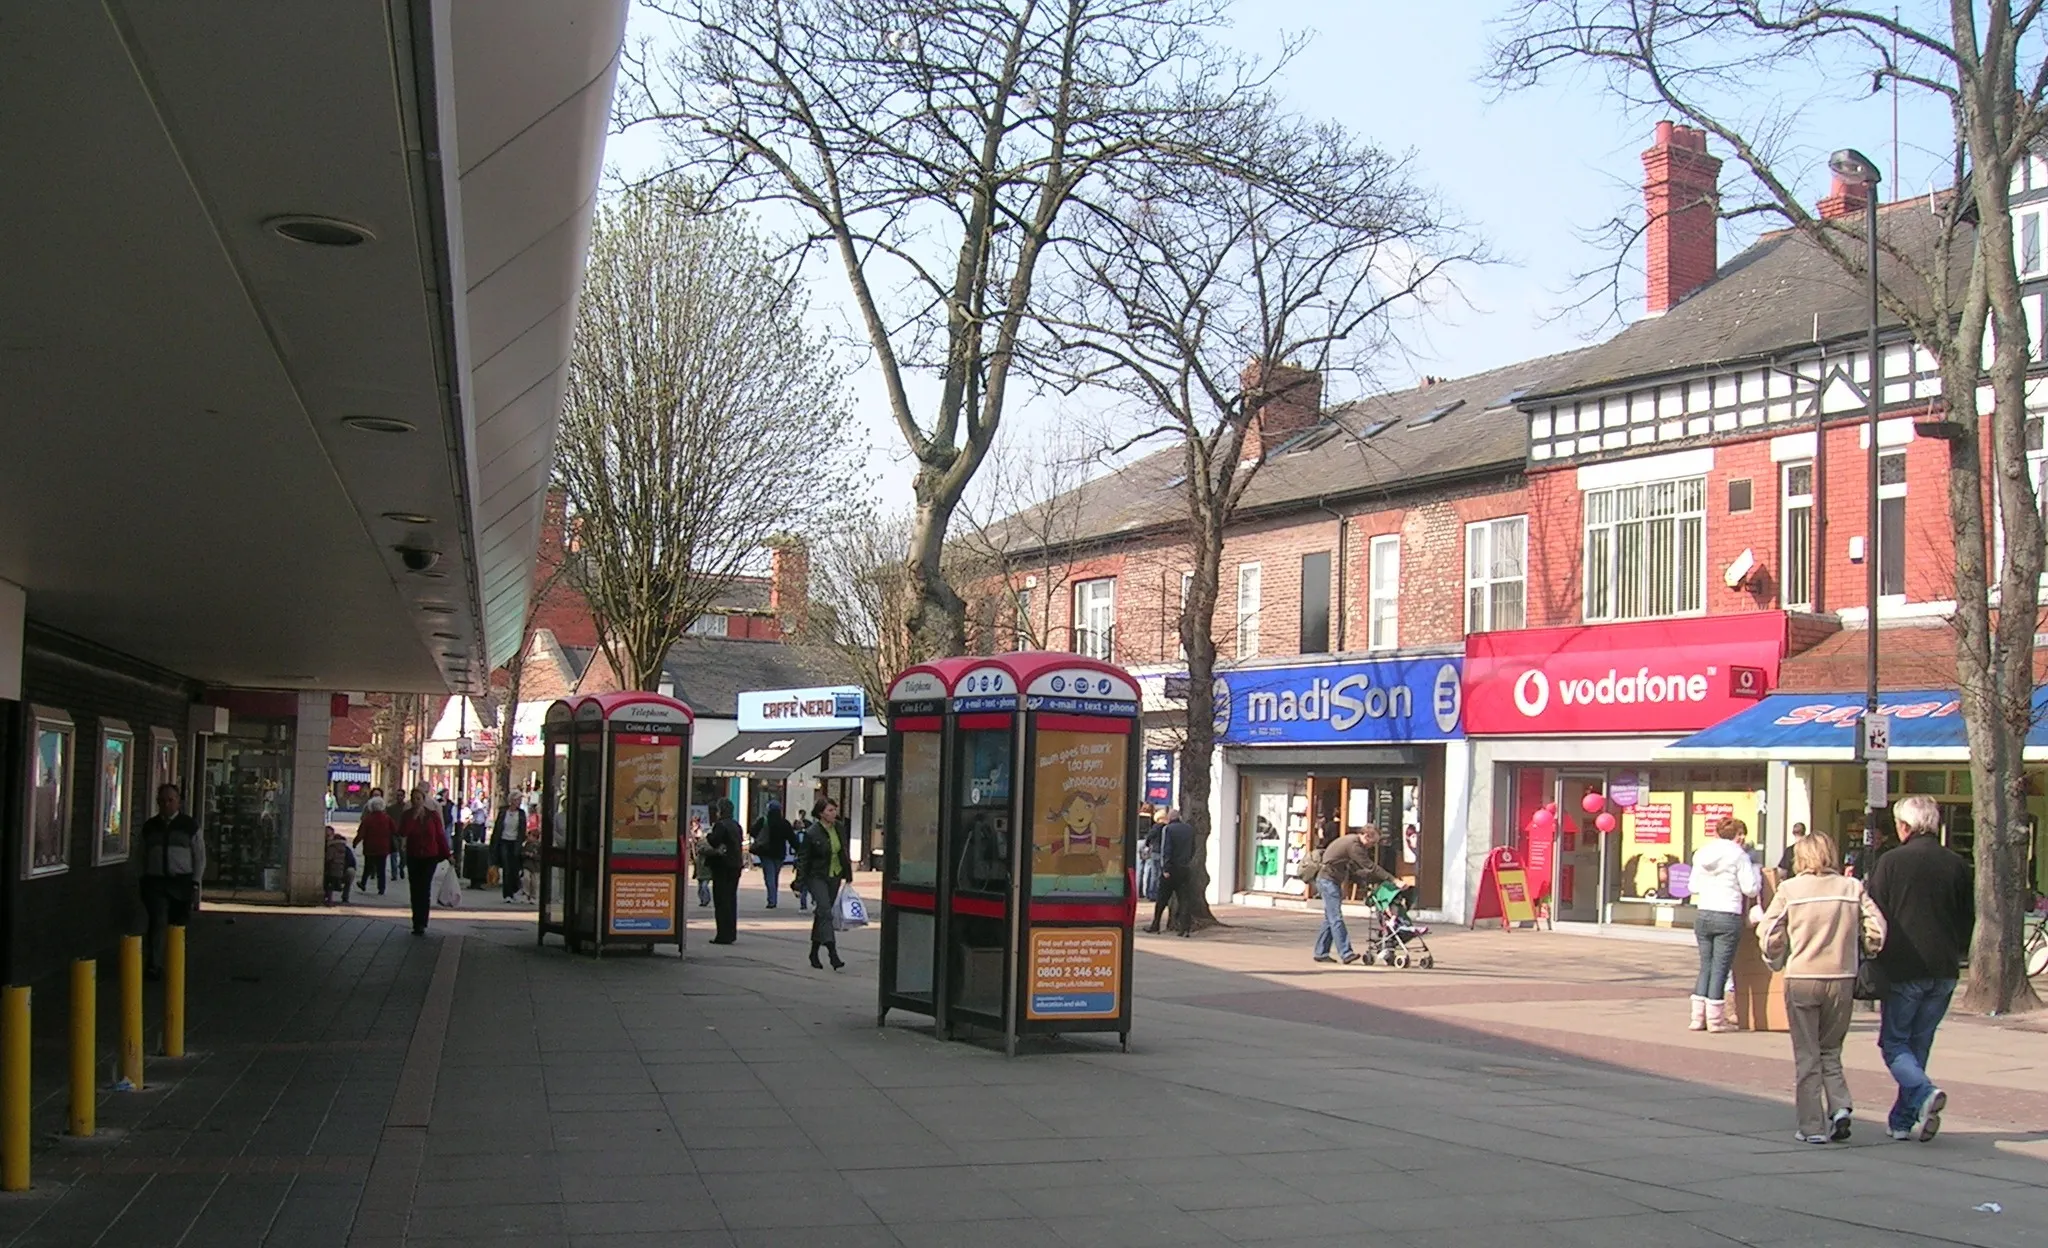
[(801, 710)]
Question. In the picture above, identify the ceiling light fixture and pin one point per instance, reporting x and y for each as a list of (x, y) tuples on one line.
[(378, 424), (408, 517), (449, 636), (317, 231), (435, 608)]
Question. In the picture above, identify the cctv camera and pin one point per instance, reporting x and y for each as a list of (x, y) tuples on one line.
[(418, 558)]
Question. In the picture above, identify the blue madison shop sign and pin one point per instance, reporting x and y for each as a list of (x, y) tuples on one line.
[(1382, 701)]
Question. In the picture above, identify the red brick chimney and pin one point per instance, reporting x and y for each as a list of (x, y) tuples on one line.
[(1681, 191), (789, 584), (1288, 400), (1844, 199)]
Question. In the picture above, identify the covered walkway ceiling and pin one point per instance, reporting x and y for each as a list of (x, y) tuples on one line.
[(221, 441)]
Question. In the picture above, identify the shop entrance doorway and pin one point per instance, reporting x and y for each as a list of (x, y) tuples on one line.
[(1581, 853)]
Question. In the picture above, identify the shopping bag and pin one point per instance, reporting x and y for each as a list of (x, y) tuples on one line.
[(447, 886), (848, 911)]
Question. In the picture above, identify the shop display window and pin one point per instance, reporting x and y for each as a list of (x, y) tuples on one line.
[(51, 759), (249, 811), (114, 793)]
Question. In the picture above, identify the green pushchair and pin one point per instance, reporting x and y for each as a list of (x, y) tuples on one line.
[(1397, 940)]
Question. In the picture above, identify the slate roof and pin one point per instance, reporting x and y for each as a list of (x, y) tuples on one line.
[(710, 673), (1781, 294), (1481, 431)]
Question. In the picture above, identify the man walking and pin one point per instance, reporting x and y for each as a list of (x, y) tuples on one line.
[(508, 842), (724, 862), (1346, 860), (173, 861), (1799, 834), (1925, 892), (1176, 856)]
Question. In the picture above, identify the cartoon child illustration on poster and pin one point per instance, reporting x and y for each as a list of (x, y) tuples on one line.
[(1078, 837), (643, 811)]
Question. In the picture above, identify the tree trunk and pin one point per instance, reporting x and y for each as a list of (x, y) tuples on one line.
[(515, 672), (1198, 742), (935, 616)]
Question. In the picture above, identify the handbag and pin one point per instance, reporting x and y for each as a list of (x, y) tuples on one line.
[(1872, 984)]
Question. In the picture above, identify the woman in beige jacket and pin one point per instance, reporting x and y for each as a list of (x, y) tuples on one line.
[(1818, 925)]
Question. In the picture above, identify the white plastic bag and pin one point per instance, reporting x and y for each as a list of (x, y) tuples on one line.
[(848, 911), (447, 887)]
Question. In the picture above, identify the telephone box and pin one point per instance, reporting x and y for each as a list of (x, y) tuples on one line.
[(911, 976), (1033, 896), (614, 785)]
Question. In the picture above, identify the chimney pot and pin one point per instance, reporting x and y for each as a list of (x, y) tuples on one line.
[(1282, 400), (1681, 196), (1844, 199)]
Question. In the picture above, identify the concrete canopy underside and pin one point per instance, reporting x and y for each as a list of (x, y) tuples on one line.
[(180, 483)]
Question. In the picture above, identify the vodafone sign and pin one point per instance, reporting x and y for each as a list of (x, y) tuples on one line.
[(1655, 676)]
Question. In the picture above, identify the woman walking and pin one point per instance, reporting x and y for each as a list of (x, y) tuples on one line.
[(1818, 925), (425, 840), (820, 866), (1723, 881), (374, 836), (771, 845), (723, 864)]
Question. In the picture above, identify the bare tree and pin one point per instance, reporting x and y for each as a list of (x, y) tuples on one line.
[(702, 418), (858, 620), (393, 734), (552, 567), (1213, 298), (933, 150), (1024, 537), (1713, 62)]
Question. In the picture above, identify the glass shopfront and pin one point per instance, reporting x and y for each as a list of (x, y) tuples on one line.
[(1613, 845), (1284, 814), (248, 828), (1838, 794)]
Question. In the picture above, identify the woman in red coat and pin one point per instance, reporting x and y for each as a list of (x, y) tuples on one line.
[(374, 836), (426, 847)]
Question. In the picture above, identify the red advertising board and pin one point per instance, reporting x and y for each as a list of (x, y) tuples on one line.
[(1661, 676)]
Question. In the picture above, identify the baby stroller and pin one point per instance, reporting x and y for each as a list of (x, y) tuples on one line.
[(1397, 939)]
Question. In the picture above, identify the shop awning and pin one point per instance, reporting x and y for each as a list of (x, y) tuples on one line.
[(1927, 727), (773, 754), (859, 767)]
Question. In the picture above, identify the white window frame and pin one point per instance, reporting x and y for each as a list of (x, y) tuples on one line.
[(2034, 216), (1187, 589), (1893, 492), (1250, 587), (1021, 624), (1095, 618), (1788, 503), (1482, 577), (1383, 584), (1610, 514), (704, 626)]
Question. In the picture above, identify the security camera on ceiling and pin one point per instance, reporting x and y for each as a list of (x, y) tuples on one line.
[(418, 558)]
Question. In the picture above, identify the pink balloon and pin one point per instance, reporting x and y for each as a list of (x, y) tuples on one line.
[(1606, 822), (1592, 802), (1542, 819)]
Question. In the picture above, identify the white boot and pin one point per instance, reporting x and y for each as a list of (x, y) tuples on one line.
[(1717, 1017), (1699, 1015)]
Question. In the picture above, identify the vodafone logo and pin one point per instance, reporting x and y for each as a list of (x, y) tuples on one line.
[(1532, 693), (1636, 676), (1616, 688)]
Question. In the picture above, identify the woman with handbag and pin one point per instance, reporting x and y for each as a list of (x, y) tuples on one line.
[(1819, 925), (820, 866), (424, 838)]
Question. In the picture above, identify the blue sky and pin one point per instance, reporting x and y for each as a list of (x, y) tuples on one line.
[(1534, 175)]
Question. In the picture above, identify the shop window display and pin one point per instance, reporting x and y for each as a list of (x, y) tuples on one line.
[(249, 815)]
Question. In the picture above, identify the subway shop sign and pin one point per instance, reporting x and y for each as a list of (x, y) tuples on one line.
[(1388, 700)]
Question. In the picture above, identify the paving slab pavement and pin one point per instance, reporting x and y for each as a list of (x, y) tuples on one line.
[(736, 1096)]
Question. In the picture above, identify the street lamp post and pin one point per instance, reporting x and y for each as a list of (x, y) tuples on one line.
[(1856, 169)]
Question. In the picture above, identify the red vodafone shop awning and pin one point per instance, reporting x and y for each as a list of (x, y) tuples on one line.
[(1651, 676)]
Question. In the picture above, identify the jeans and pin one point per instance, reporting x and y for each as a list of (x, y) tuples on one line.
[(771, 875), (1817, 1012), (1716, 931), (703, 889), (1148, 879), (1905, 1036), (508, 866), (419, 879), (1333, 933), (397, 865)]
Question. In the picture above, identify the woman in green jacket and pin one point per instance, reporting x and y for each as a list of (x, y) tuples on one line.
[(820, 865)]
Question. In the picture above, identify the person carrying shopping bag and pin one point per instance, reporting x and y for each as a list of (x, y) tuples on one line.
[(425, 840), (1818, 927), (820, 867)]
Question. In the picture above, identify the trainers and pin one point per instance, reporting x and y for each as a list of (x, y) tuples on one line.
[(1349, 958), (1324, 957), (1838, 1126), (1927, 1124), (1804, 1138), (1897, 1134)]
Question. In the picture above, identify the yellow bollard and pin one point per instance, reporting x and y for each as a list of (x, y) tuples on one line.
[(131, 1013), (174, 991), (85, 1039), (14, 1093)]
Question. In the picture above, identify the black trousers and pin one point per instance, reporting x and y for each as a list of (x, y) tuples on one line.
[(419, 877), (508, 866), (167, 900), (823, 890), (377, 865), (725, 905), (1173, 893)]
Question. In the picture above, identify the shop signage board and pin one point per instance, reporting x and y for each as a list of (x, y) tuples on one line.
[(1823, 727), (1159, 777), (1378, 701), (1075, 972), (643, 905), (801, 710), (1653, 676), (1504, 892)]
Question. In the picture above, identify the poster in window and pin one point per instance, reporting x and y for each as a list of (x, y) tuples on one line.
[(49, 796), (163, 761), (646, 779), (917, 811), (112, 800), (1080, 815)]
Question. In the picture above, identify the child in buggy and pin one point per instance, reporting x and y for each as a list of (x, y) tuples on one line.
[(1397, 939)]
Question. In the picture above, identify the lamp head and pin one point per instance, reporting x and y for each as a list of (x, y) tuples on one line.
[(1854, 167)]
